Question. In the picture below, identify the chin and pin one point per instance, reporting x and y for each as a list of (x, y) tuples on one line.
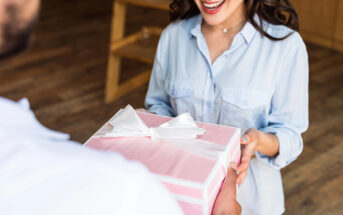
[(213, 19)]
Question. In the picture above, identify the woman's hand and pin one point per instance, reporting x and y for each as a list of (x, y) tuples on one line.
[(226, 203), (249, 142), (253, 139), (142, 110)]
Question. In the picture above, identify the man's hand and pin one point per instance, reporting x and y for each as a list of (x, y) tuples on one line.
[(226, 203)]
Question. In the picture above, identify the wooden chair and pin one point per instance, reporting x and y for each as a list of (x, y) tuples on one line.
[(139, 46)]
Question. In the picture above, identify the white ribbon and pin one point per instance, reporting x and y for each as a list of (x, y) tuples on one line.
[(180, 131)]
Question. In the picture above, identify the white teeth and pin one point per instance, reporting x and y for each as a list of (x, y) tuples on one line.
[(212, 5)]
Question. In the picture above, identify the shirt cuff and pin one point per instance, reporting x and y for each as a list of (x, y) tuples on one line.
[(161, 110), (290, 146)]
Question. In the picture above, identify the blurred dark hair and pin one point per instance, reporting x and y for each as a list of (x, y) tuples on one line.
[(277, 12)]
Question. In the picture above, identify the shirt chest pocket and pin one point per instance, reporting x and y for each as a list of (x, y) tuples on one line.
[(180, 96), (244, 108)]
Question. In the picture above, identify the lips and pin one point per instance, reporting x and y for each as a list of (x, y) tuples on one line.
[(212, 7)]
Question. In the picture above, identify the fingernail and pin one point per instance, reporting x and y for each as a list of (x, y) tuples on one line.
[(244, 139), (233, 165)]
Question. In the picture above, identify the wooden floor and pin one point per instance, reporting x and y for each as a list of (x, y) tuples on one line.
[(63, 75)]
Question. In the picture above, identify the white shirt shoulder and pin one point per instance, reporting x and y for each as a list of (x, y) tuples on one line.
[(56, 176)]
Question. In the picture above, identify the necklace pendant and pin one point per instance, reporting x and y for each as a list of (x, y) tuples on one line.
[(224, 30)]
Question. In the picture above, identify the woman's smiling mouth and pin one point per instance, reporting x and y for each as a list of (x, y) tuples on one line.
[(212, 7)]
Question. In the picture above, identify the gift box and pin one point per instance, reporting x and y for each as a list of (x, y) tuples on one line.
[(189, 158)]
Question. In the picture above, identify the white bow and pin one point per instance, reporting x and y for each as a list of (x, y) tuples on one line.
[(126, 123), (180, 131)]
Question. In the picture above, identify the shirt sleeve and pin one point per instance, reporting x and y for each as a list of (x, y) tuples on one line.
[(288, 117), (157, 99)]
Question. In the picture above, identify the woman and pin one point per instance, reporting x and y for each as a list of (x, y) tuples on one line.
[(239, 63)]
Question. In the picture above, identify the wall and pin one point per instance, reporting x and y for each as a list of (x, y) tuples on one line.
[(321, 22)]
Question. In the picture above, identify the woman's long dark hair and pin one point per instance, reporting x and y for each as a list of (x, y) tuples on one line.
[(277, 12)]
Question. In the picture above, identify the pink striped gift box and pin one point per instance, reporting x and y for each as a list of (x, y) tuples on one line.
[(194, 180)]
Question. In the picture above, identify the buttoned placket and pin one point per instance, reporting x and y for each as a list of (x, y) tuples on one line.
[(210, 86), (208, 91)]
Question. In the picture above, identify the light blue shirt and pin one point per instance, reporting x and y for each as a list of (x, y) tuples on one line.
[(256, 83)]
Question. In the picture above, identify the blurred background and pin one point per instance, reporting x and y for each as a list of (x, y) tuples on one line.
[(65, 70)]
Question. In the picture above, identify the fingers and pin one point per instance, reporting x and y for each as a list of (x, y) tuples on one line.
[(247, 153), (142, 110), (245, 139), (231, 178), (226, 202), (245, 159), (245, 156), (243, 166), (232, 171), (249, 136), (249, 143), (241, 177)]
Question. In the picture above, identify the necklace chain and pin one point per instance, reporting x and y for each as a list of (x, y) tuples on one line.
[(225, 30)]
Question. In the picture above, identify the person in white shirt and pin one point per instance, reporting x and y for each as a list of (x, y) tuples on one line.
[(43, 172)]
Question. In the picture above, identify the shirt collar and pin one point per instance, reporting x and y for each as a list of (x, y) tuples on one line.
[(248, 31), (195, 26)]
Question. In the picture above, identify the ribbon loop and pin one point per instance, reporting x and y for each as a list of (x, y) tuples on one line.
[(180, 132), (152, 133), (126, 123)]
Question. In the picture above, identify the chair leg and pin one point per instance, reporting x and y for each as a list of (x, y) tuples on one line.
[(113, 67), (112, 80)]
